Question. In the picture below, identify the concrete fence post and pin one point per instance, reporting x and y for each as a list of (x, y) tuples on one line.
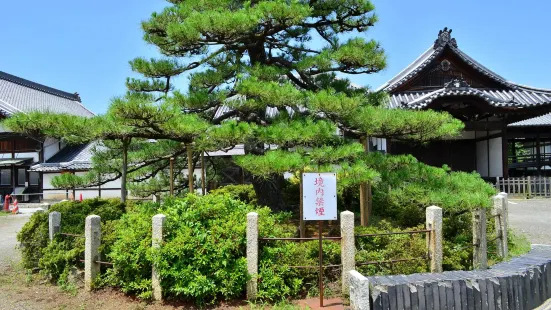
[(359, 291), (480, 249), (158, 224), (54, 224), (434, 240), (348, 249), (499, 211), (92, 233), (252, 254)]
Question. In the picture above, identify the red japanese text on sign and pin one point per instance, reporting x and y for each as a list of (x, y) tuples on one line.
[(320, 199)]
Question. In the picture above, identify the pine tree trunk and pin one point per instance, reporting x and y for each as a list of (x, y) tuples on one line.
[(124, 192), (269, 192)]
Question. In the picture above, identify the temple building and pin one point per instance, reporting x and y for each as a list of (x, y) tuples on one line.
[(28, 164), (506, 126)]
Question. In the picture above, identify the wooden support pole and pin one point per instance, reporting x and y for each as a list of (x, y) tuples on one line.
[(364, 191), (190, 167), (203, 175), (505, 151), (171, 176)]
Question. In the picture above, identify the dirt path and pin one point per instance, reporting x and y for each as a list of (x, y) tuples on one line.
[(9, 226), (532, 217)]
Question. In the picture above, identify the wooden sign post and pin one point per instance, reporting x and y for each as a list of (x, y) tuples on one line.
[(319, 194)]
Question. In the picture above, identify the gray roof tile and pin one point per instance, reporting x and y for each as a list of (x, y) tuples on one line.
[(20, 95), (72, 157), (543, 120), (501, 98)]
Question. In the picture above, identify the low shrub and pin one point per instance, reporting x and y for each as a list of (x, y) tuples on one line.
[(53, 258), (391, 247), (408, 186), (203, 254), (243, 192)]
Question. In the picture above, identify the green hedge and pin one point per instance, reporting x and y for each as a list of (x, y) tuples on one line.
[(54, 258)]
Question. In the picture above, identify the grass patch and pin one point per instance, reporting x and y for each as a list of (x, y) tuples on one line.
[(4, 213), (284, 305), (518, 244)]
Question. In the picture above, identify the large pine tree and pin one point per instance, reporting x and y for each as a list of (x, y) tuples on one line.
[(271, 75), (279, 66)]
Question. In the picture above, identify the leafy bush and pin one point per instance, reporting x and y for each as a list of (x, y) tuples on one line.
[(53, 258), (389, 247), (243, 192), (407, 187), (203, 254)]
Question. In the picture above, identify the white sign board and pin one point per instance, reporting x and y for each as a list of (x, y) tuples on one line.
[(319, 196)]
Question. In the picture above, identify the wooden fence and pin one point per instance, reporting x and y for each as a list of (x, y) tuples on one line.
[(525, 186)]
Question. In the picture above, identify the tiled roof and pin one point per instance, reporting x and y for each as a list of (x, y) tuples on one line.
[(20, 95), (511, 95), (236, 150), (498, 98), (543, 120), (444, 41), (72, 157)]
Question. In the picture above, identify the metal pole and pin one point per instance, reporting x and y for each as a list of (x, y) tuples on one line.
[(171, 176), (302, 230), (321, 262)]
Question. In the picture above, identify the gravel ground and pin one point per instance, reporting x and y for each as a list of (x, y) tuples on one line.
[(9, 226), (533, 218)]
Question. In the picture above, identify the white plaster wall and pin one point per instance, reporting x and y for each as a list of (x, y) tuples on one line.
[(51, 147), (482, 158), (34, 155), (496, 159), (197, 175), (60, 194), (379, 143), (47, 180)]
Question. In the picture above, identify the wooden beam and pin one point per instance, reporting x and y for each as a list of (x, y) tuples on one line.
[(483, 126), (505, 151)]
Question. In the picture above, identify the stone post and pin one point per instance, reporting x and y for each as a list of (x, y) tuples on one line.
[(45, 206), (434, 242), (252, 254), (156, 241), (499, 211), (92, 233), (54, 224), (348, 249), (480, 247), (359, 291)]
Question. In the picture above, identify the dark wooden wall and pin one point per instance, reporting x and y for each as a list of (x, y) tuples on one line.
[(460, 155)]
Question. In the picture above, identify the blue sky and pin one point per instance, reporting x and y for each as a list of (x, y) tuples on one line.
[(85, 46)]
